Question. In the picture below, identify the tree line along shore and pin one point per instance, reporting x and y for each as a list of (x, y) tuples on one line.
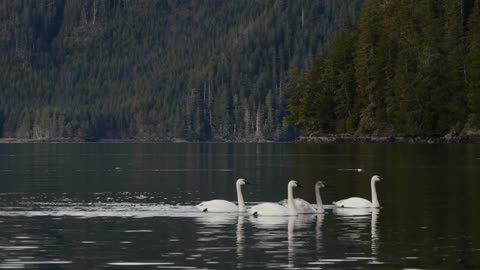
[(240, 71)]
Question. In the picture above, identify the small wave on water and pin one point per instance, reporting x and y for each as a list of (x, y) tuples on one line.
[(21, 264), (289, 242), (91, 210), (120, 204), (119, 169), (139, 263), (356, 170), (123, 205), (123, 210)]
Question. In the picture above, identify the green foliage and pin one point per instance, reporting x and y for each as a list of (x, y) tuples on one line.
[(411, 68), (146, 69), (473, 67), (311, 103)]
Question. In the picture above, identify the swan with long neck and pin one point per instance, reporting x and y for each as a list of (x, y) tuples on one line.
[(226, 206), (275, 209), (356, 202), (304, 207), (318, 198)]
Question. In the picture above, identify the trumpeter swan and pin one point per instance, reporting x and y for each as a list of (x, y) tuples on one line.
[(226, 206), (356, 202), (275, 209), (304, 207)]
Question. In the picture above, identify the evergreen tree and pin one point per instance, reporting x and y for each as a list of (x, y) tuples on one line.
[(409, 68), (473, 67), (96, 69)]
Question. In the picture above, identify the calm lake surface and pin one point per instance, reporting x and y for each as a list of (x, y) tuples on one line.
[(130, 206)]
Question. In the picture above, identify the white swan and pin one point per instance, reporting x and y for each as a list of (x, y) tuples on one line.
[(275, 209), (356, 202), (226, 206), (304, 207)]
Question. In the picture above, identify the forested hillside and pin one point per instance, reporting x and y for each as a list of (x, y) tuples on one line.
[(196, 70), (410, 68)]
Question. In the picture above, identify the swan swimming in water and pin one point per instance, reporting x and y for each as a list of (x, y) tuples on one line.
[(275, 209), (304, 207), (226, 206), (356, 202)]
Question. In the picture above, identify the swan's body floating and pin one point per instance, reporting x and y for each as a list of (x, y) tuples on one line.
[(275, 209), (226, 206), (304, 207), (356, 202)]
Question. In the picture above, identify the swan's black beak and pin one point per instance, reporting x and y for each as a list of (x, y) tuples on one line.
[(246, 182), (298, 185)]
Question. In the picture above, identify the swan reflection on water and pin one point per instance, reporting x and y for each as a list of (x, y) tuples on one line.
[(374, 232), (297, 238), (272, 231), (286, 241), (215, 220), (240, 237), (357, 221), (318, 232), (214, 225)]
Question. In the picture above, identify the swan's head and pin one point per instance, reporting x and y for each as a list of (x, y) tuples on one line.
[(376, 178), (319, 184), (294, 183), (242, 181)]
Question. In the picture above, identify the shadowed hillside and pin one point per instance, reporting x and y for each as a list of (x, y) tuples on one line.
[(196, 70)]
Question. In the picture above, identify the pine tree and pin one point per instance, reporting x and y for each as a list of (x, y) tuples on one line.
[(411, 68), (472, 62), (367, 70), (340, 60)]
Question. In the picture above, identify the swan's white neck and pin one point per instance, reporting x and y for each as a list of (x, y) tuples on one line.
[(375, 202), (291, 205), (241, 202), (319, 200)]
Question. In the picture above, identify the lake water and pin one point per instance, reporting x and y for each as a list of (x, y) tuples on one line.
[(130, 206)]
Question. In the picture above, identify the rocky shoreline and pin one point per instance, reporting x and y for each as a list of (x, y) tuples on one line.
[(318, 139), (346, 138)]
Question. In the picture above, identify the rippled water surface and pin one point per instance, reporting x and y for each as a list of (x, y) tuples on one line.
[(131, 206)]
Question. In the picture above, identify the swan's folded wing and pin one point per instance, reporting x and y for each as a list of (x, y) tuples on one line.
[(269, 209), (302, 206), (354, 202), (217, 206)]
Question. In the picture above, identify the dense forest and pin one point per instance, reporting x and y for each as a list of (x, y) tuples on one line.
[(152, 70), (409, 68)]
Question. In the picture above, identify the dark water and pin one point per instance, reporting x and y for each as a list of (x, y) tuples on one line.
[(129, 206)]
